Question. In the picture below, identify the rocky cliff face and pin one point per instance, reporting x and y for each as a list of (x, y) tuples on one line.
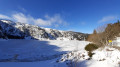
[(12, 30)]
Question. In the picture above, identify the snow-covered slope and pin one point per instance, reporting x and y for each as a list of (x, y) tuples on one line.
[(103, 57), (19, 30)]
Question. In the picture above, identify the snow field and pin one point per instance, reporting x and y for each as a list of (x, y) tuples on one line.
[(35, 50), (55, 53)]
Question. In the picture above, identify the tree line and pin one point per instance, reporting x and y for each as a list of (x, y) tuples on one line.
[(103, 34)]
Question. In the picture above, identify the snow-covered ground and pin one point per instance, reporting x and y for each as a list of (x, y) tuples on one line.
[(117, 41), (43, 53), (33, 50), (55, 53), (103, 57), (48, 63)]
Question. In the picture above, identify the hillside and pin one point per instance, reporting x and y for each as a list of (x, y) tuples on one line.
[(17, 30)]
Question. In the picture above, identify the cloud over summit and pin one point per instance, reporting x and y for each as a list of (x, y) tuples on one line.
[(108, 18), (55, 20)]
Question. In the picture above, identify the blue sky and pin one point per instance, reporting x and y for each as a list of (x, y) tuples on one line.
[(76, 15)]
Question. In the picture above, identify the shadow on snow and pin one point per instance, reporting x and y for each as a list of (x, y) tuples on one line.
[(27, 51)]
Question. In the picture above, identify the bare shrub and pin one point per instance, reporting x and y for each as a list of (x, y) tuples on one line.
[(104, 33), (90, 47)]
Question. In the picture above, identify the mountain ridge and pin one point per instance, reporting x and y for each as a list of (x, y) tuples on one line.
[(17, 30)]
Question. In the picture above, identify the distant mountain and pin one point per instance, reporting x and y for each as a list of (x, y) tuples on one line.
[(17, 30)]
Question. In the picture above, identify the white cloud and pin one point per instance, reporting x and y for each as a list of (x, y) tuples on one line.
[(48, 21), (19, 17), (107, 18), (4, 17), (71, 30), (42, 22), (55, 20)]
